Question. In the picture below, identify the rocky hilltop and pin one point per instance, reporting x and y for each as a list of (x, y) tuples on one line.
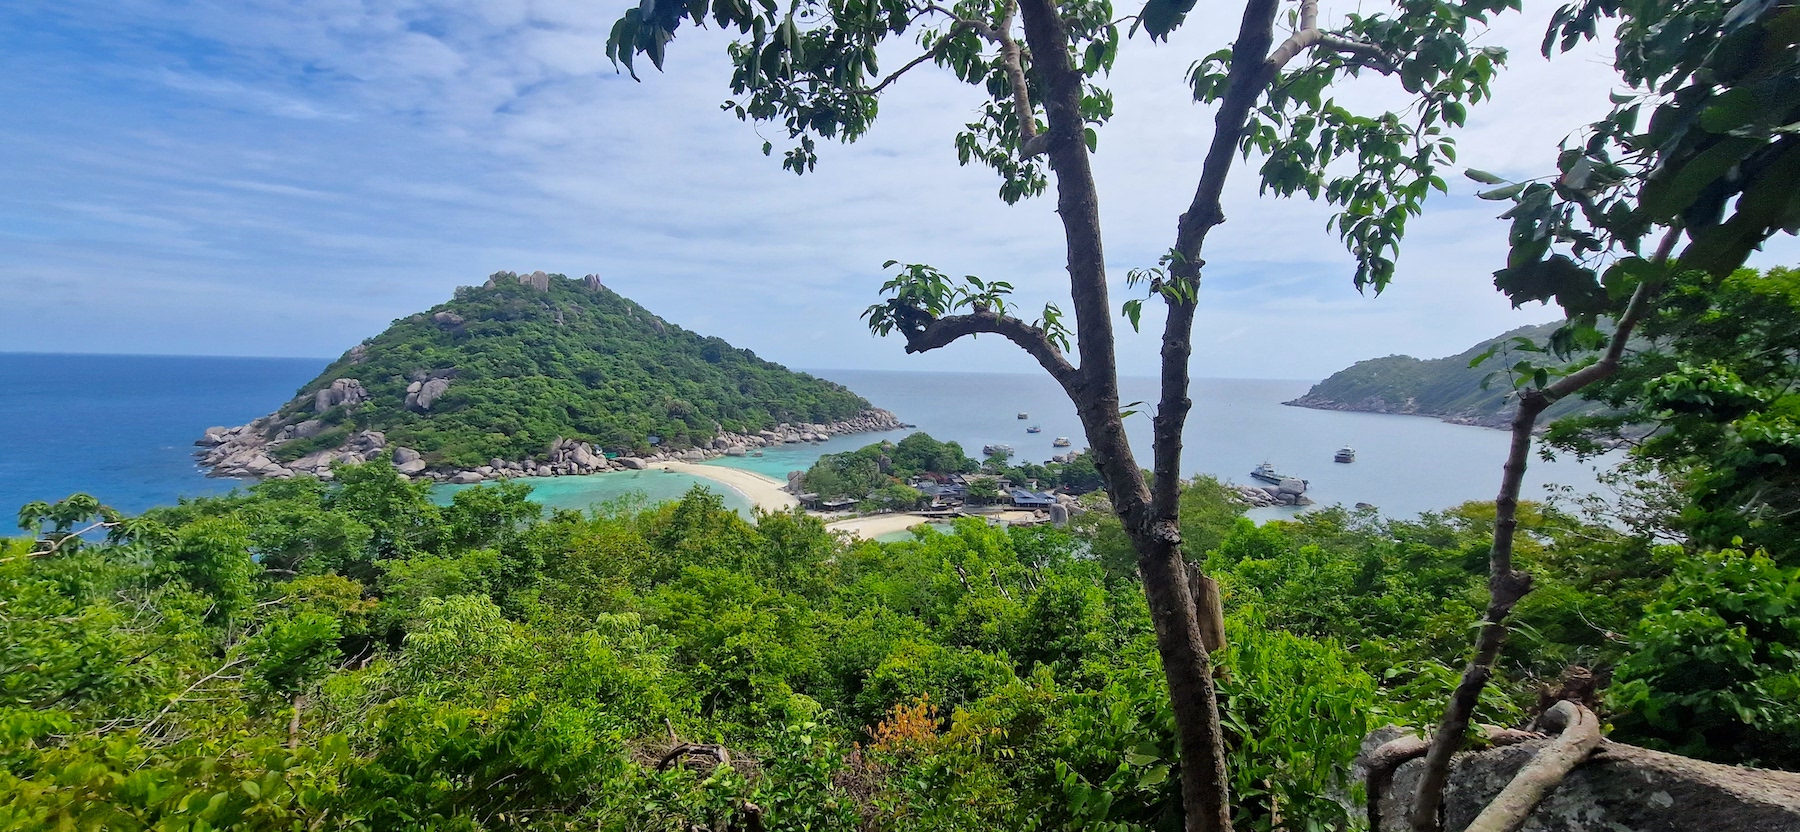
[(536, 375), (1446, 388)]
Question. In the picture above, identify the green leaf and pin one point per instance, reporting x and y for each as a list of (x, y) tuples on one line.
[(1134, 309), (1153, 776), (1482, 176), (1507, 192), (1160, 17)]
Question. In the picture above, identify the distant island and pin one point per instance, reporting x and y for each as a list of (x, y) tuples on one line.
[(541, 375), (1446, 388)]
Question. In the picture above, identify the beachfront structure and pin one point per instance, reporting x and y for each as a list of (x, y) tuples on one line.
[(1027, 499), (943, 495)]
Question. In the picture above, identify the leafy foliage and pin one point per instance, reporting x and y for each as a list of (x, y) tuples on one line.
[(1715, 670), (1711, 403), (1699, 142), (978, 679)]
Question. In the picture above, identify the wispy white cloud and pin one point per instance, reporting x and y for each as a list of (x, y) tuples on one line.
[(269, 177)]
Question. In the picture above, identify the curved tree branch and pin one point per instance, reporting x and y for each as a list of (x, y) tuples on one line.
[(1309, 35), (927, 333), (1010, 55), (936, 50), (981, 27)]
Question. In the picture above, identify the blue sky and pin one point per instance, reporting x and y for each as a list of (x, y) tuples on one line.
[(285, 178)]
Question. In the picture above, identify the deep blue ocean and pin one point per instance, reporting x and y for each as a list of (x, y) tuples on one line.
[(122, 428)]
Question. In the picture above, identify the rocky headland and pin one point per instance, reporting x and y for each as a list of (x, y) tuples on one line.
[(1447, 389), (1408, 406), (254, 450)]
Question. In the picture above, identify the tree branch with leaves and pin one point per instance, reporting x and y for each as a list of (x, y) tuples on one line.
[(806, 66), (1716, 165)]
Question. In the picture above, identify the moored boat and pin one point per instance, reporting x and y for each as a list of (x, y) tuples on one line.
[(1267, 473), (1024, 415), (1034, 429), (1344, 454), (1061, 442)]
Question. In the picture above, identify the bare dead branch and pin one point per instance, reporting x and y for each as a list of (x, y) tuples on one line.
[(1310, 35), (57, 544), (1579, 736), (220, 673)]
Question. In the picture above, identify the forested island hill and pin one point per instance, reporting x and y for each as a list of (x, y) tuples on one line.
[(536, 375)]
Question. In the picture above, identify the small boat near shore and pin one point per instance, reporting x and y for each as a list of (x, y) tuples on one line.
[(1061, 442), (1267, 473), (1344, 454), (1024, 415), (1034, 429)]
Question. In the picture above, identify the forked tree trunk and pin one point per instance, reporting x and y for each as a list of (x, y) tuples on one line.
[(1095, 391)]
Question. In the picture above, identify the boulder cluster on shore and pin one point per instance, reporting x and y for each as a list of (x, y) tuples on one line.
[(1264, 496), (251, 451)]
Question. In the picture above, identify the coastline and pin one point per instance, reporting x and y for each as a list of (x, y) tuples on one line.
[(1501, 420), (251, 451)]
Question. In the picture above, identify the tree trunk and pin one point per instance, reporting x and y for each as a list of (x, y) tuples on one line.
[(1507, 585), (1095, 392), (294, 722), (1209, 611)]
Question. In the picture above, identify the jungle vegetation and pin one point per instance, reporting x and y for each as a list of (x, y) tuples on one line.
[(1691, 170), (884, 464), (352, 655)]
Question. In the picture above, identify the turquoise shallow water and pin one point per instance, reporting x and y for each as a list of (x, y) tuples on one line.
[(585, 492), (776, 462), (906, 534)]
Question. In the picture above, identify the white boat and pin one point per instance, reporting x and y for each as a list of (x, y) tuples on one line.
[(1344, 454), (1061, 442), (1267, 473)]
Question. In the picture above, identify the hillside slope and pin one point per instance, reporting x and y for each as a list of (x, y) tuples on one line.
[(505, 370), (1447, 388)]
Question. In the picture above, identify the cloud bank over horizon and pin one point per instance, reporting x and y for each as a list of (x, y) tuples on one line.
[(270, 178)]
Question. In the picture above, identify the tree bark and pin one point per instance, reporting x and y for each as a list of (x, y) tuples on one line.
[(1186, 666), (294, 722)]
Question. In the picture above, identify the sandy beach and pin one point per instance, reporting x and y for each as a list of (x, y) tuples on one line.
[(762, 492), (878, 525)]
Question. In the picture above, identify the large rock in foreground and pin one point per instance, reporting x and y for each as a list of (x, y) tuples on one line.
[(1621, 788)]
